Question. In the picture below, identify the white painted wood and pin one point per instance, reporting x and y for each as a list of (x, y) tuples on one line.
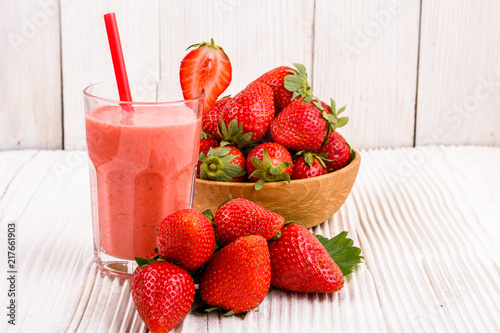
[(86, 56), (425, 218), (459, 76), (256, 35), (30, 75), (365, 57)]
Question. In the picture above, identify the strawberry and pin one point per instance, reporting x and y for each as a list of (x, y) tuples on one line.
[(163, 294), (224, 164), (187, 238), (299, 262), (269, 162), (212, 117), (307, 165), (206, 68), (297, 81), (238, 277), (242, 217), (299, 126), (303, 126), (337, 150), (206, 142), (248, 116)]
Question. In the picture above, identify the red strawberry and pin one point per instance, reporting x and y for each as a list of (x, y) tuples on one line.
[(163, 294), (287, 84), (247, 117), (269, 162), (336, 150), (224, 164), (299, 262), (307, 165), (242, 217), (238, 277), (187, 238), (206, 68), (302, 126), (206, 142), (212, 117)]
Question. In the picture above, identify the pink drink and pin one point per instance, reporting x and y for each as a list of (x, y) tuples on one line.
[(142, 167)]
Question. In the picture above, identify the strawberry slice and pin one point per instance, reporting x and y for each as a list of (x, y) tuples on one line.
[(206, 68)]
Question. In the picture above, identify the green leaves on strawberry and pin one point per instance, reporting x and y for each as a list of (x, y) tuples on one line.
[(297, 83), (253, 110), (337, 150), (341, 250), (308, 164), (225, 164), (233, 134), (332, 116), (269, 162)]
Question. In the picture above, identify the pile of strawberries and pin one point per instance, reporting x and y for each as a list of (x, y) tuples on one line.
[(234, 256), (273, 130)]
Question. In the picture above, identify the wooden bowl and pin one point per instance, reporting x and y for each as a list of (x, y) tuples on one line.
[(308, 202)]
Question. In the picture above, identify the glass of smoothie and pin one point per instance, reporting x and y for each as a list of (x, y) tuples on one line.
[(143, 158)]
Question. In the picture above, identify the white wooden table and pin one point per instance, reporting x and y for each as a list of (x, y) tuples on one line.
[(427, 220)]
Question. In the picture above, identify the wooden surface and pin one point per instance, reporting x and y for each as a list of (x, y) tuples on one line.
[(30, 76), (307, 202), (459, 77), (367, 54), (425, 218), (365, 57)]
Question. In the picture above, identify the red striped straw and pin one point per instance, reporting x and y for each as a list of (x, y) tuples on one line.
[(118, 61)]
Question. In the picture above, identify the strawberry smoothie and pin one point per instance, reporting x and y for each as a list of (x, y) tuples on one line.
[(142, 167)]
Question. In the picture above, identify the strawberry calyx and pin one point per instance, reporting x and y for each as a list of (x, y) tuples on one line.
[(309, 158), (150, 258), (332, 119), (206, 309), (217, 165), (341, 250), (267, 172), (208, 44), (205, 135), (233, 134), (297, 83)]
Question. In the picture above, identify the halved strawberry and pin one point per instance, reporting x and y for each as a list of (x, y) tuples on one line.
[(206, 68)]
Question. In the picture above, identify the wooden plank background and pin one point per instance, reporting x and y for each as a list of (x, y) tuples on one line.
[(411, 72)]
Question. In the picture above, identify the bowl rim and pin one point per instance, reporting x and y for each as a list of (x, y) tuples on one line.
[(353, 164)]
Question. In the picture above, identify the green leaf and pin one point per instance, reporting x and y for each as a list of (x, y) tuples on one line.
[(226, 159), (342, 121), (202, 157), (283, 165), (274, 170), (342, 109), (266, 158), (301, 69), (292, 83), (257, 163), (333, 105), (342, 251), (223, 177), (233, 170), (259, 184), (143, 261), (221, 152), (208, 214)]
